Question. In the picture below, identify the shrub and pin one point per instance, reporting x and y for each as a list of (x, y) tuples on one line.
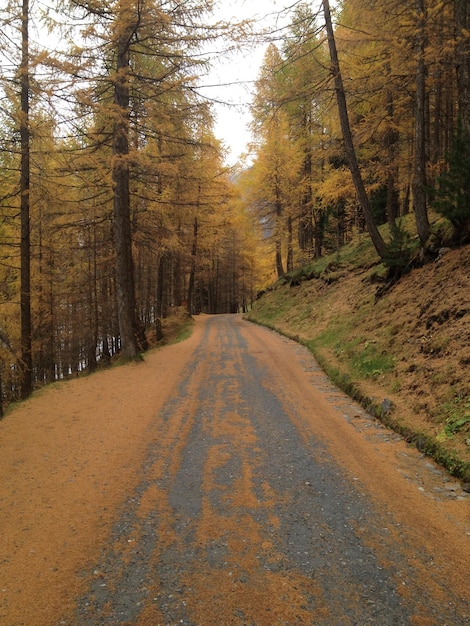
[(400, 251)]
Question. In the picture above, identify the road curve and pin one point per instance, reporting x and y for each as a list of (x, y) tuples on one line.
[(267, 497)]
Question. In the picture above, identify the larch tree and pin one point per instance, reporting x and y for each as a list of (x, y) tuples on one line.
[(146, 75), (120, 181), (304, 80), (273, 191), (278, 160), (367, 40), (350, 150), (125, 29), (399, 59)]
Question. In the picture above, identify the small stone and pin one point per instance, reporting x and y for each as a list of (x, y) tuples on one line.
[(466, 487), (386, 407)]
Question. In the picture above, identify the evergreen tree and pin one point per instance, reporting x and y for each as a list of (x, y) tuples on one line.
[(452, 193)]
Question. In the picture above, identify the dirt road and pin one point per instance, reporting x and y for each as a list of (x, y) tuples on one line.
[(224, 481)]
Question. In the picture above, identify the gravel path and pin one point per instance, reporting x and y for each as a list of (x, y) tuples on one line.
[(267, 497)]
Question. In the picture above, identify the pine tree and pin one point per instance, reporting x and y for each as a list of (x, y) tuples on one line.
[(452, 193)]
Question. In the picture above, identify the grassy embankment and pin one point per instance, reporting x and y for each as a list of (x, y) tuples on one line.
[(408, 346)]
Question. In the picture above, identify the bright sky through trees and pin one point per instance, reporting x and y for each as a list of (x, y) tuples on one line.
[(233, 77), (230, 82)]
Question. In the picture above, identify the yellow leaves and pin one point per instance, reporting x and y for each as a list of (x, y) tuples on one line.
[(336, 185)]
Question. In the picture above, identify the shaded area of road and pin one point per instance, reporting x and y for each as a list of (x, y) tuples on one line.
[(260, 503)]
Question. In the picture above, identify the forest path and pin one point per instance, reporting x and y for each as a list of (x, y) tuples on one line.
[(223, 481)]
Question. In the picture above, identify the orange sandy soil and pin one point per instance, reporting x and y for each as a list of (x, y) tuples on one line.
[(72, 453), (69, 457)]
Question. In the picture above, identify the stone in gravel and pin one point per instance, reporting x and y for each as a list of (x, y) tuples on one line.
[(386, 407)]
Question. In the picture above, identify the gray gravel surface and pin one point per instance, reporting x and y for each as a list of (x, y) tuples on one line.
[(242, 515)]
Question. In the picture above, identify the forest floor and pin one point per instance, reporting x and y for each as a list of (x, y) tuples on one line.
[(409, 345), (146, 495)]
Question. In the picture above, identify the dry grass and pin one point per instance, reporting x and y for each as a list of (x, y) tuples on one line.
[(412, 345)]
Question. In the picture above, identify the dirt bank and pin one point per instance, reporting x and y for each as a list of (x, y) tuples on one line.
[(411, 345)]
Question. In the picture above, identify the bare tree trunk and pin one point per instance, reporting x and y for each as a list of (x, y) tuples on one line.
[(374, 233), (290, 248), (159, 306), (462, 21), (277, 234), (26, 366), (92, 296), (391, 143), (192, 274), (306, 235), (419, 179)]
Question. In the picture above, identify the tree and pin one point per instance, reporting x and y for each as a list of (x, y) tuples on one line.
[(462, 60), (452, 193), (122, 166), (149, 125), (132, 337), (26, 363), (350, 151)]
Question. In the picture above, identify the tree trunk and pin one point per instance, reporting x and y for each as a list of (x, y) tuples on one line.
[(192, 273), (462, 21), (391, 143), (419, 179), (92, 296), (277, 234), (130, 332), (26, 366), (290, 247), (374, 233), (319, 222), (306, 235), (159, 308)]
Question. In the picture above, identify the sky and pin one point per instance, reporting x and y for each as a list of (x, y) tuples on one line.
[(239, 71)]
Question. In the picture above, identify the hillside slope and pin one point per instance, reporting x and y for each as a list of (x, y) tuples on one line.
[(405, 354)]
